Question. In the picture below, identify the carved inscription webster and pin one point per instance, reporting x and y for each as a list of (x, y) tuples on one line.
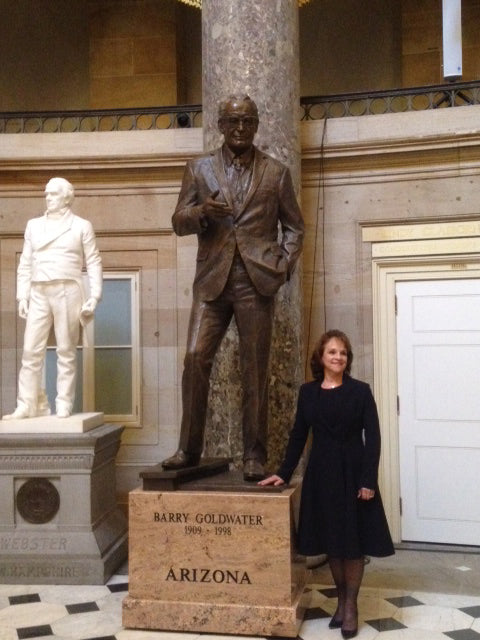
[(45, 544)]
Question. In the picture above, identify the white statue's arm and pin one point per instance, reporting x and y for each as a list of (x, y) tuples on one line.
[(88, 309), (93, 263), (23, 308), (24, 274)]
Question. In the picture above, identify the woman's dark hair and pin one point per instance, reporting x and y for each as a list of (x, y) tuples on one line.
[(316, 363)]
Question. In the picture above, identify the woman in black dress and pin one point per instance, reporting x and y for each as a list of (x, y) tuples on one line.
[(341, 511)]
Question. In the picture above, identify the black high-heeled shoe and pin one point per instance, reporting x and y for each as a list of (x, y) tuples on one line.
[(352, 632), (335, 624)]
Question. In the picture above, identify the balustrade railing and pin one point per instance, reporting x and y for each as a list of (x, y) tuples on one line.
[(313, 108), (102, 120), (393, 101)]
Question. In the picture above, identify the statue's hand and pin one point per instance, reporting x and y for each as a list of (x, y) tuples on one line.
[(88, 309), (215, 210), (23, 308)]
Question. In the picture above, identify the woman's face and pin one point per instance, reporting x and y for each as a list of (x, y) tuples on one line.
[(334, 357)]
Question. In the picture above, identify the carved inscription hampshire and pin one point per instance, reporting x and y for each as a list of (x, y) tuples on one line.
[(43, 570)]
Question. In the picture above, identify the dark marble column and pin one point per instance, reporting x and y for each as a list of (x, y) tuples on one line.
[(252, 47)]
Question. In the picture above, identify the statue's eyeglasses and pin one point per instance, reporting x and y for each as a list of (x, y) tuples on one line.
[(235, 121)]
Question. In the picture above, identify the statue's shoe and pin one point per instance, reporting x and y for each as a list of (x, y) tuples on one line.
[(18, 414), (180, 460), (253, 471)]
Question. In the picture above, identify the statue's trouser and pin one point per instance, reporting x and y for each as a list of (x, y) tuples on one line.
[(59, 303), (208, 323)]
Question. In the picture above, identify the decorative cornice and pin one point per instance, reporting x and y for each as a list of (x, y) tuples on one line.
[(399, 146), (34, 462)]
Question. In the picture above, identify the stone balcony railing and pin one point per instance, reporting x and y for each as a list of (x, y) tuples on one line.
[(312, 108)]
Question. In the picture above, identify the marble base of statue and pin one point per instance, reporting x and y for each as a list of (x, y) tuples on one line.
[(76, 423), (158, 478), (60, 520), (215, 555)]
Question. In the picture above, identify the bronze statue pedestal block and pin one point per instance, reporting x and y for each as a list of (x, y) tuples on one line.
[(214, 561), (60, 521)]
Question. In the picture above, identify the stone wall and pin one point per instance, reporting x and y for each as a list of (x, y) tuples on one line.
[(421, 55), (44, 54), (392, 168), (133, 53), (119, 53)]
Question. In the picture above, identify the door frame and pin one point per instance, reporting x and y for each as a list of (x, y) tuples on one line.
[(421, 251)]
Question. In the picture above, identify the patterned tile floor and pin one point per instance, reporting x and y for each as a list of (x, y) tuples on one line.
[(449, 608)]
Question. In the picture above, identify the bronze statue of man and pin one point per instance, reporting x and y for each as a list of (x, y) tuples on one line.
[(235, 198)]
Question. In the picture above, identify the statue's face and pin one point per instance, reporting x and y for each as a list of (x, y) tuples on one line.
[(239, 124), (55, 198)]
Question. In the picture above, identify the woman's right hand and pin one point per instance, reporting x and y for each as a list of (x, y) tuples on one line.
[(274, 479)]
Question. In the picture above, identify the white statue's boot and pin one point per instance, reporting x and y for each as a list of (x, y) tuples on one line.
[(22, 411), (18, 414), (29, 389), (63, 411), (65, 384)]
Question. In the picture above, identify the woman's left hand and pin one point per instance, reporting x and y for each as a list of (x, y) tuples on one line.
[(365, 494)]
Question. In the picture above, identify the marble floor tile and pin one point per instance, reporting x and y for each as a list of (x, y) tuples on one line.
[(32, 614), (392, 606)]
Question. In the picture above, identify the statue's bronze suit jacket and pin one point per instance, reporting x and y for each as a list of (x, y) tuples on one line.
[(253, 228)]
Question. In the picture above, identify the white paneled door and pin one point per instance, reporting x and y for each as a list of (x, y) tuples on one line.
[(438, 356)]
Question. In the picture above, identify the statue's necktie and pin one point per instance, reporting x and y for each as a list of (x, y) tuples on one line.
[(237, 180)]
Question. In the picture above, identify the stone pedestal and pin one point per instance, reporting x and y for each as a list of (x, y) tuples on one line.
[(156, 478), (60, 522), (214, 562), (78, 423)]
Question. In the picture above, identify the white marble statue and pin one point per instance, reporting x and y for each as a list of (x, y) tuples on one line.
[(50, 292)]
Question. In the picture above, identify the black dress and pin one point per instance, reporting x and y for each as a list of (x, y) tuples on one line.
[(344, 457)]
